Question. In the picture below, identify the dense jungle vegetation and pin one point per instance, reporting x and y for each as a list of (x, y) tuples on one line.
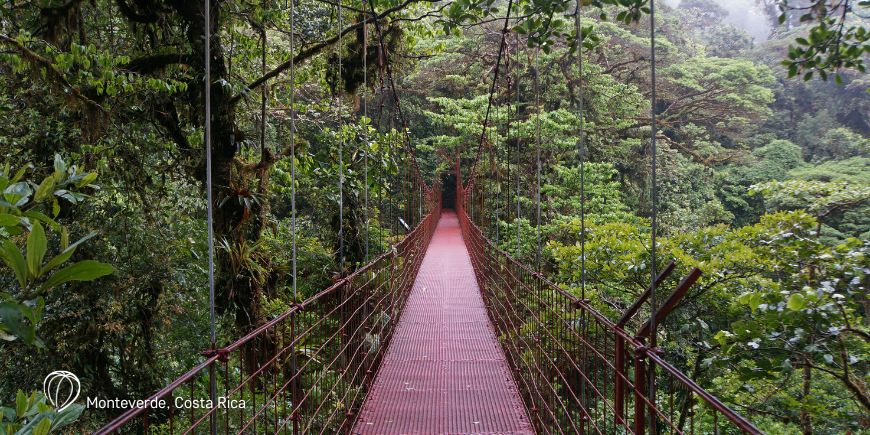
[(763, 154)]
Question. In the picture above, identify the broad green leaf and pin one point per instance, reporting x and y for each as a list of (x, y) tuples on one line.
[(43, 427), (36, 246), (86, 270), (19, 174), (68, 415), (13, 320), (796, 302), (45, 189), (65, 254), (35, 215), (87, 179), (20, 404), (13, 258), (59, 165), (9, 220)]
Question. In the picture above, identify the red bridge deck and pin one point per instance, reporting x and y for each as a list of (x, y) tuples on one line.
[(444, 371)]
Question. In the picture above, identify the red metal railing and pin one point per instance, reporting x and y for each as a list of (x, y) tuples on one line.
[(579, 372), (308, 370)]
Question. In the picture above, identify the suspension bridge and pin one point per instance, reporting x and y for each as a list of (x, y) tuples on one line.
[(444, 332)]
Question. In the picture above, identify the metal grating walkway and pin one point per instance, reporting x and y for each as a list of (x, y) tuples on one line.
[(444, 371)]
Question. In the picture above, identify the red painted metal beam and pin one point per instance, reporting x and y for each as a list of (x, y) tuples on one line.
[(678, 294)]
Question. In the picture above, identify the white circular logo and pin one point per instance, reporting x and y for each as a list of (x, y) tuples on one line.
[(61, 388)]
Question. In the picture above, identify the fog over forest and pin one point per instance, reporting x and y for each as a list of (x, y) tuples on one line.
[(745, 14)]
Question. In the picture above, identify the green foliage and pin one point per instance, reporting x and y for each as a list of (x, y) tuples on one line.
[(31, 415), (24, 208), (777, 258), (837, 39), (728, 95), (817, 197)]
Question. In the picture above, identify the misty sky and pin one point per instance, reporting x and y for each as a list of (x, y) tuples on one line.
[(745, 14)]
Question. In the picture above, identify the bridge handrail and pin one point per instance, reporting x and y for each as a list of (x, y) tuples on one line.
[(410, 246), (636, 344)]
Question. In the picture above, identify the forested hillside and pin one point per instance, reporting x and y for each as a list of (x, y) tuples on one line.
[(763, 178)]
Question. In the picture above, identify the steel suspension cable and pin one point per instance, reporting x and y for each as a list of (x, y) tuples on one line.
[(293, 232), (507, 141), (494, 154), (365, 49), (501, 48), (338, 89), (581, 151), (389, 72), (537, 160), (208, 175), (654, 199), (263, 89), (293, 148), (519, 211), (209, 201)]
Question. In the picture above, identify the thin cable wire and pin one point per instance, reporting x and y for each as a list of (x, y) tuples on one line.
[(293, 235), (507, 146), (293, 148), (494, 156), (339, 82), (398, 103), (537, 160), (582, 153), (519, 210), (365, 49), (208, 174), (501, 48), (654, 198), (210, 204), (263, 90)]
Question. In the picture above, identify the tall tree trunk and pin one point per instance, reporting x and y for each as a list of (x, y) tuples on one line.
[(806, 422)]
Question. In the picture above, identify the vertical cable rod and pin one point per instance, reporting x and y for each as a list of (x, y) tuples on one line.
[(537, 160), (293, 146), (263, 94), (365, 104), (293, 235), (582, 152), (338, 86), (208, 175), (519, 211), (654, 197), (209, 205)]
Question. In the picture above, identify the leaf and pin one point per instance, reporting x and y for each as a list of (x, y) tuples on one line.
[(9, 220), (87, 179), (43, 427), (65, 255), (59, 165), (45, 189), (20, 404), (796, 302), (13, 319), (67, 416), (86, 270), (753, 300), (35, 215), (13, 258), (36, 246)]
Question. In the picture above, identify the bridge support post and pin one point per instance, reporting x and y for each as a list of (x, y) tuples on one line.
[(619, 383), (640, 398)]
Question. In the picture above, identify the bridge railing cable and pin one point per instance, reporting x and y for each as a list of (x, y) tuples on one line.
[(306, 371), (577, 371)]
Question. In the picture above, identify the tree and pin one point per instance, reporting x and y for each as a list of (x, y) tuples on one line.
[(26, 209)]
